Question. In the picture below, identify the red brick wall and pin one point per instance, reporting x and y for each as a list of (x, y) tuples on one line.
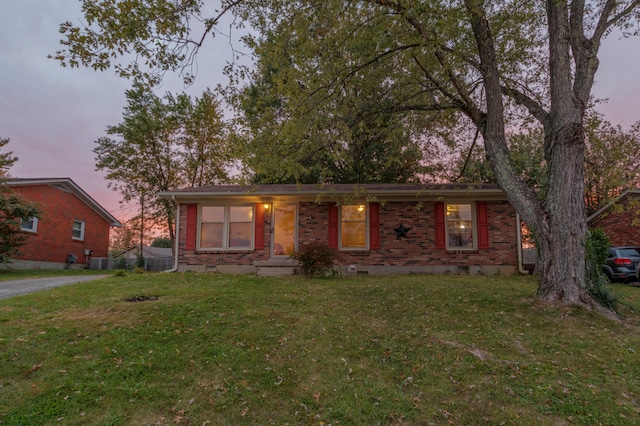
[(53, 240), (417, 249), (622, 222)]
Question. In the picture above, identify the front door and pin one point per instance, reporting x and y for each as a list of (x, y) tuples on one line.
[(284, 229)]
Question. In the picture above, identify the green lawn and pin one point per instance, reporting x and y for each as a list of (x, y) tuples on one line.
[(245, 350)]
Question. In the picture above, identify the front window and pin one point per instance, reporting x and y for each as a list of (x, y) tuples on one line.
[(240, 226), (212, 227), (78, 230), (353, 227), (460, 234), (226, 227), (29, 225)]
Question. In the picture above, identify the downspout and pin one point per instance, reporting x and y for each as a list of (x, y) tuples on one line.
[(519, 239), (175, 251)]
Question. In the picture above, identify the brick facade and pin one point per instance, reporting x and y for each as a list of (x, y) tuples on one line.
[(416, 253), (53, 240)]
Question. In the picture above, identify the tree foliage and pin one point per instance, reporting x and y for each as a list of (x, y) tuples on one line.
[(7, 159), (162, 242), (13, 209), (164, 144), (527, 157), (353, 138), (128, 235), (612, 160), (124, 237), (490, 63)]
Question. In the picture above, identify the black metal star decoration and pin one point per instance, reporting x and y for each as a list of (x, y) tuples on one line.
[(401, 231)]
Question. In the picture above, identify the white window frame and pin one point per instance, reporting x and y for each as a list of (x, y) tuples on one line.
[(34, 227), (82, 228), (225, 228), (474, 226), (366, 227)]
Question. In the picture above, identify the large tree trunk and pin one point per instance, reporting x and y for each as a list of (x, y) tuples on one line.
[(561, 232), (559, 223)]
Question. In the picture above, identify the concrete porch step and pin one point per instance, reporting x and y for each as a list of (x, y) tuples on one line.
[(275, 267), (274, 271)]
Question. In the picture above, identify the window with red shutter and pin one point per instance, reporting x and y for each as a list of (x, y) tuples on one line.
[(259, 225), (333, 226), (374, 226), (441, 239), (483, 225)]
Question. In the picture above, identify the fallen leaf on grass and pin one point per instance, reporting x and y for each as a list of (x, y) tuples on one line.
[(32, 369)]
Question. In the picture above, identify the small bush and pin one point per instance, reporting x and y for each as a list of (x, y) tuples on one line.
[(120, 273), (598, 244), (121, 263), (140, 260), (139, 270), (315, 259)]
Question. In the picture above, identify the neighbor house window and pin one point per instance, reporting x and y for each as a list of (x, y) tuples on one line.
[(29, 225), (78, 230), (353, 226), (226, 227), (460, 226)]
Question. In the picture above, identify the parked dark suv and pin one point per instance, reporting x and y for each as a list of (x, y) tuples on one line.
[(622, 264)]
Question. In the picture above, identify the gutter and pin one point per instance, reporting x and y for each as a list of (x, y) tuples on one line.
[(175, 251), (519, 239), (418, 195)]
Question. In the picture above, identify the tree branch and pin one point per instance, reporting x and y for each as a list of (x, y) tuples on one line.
[(353, 71), (604, 26), (466, 161), (532, 106), (214, 21)]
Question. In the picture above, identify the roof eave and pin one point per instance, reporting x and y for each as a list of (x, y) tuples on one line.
[(610, 204), (72, 187), (382, 195)]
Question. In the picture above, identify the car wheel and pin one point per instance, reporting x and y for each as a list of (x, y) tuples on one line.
[(609, 277)]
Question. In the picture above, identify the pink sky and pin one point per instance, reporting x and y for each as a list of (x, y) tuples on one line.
[(53, 115)]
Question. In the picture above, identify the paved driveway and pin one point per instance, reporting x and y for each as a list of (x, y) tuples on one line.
[(30, 285)]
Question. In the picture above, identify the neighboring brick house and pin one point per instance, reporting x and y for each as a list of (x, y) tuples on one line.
[(378, 228), (72, 223), (620, 219)]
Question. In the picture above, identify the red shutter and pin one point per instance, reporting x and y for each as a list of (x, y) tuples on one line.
[(259, 243), (441, 242), (483, 225), (333, 226), (192, 213), (374, 226)]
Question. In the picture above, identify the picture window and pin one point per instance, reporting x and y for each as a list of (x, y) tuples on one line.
[(226, 227)]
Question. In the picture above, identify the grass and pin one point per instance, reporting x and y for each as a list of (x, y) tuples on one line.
[(246, 350)]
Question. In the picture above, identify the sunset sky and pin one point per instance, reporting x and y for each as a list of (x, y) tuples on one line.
[(53, 115)]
